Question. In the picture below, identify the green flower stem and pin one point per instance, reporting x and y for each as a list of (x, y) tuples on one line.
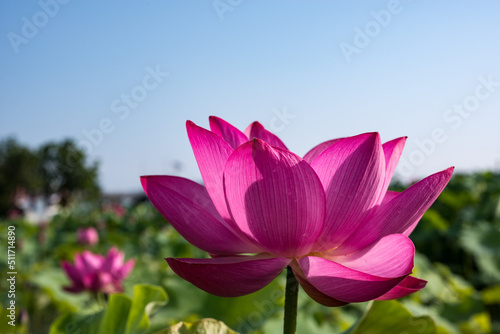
[(291, 296)]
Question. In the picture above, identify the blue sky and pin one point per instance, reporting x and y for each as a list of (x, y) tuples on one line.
[(309, 70)]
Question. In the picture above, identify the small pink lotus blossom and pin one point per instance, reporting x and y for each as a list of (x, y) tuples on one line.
[(115, 208), (87, 236), (119, 210), (328, 215), (96, 273)]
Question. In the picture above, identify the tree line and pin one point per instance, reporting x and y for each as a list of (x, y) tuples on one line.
[(53, 168)]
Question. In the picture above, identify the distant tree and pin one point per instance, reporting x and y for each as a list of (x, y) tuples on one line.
[(56, 167), (65, 171), (18, 172)]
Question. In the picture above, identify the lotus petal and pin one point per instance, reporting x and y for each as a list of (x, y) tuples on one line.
[(256, 130), (211, 153), (72, 272), (399, 215), (318, 149), (311, 291), (228, 132), (229, 276), (275, 198), (392, 153), (113, 260), (390, 256), (187, 206), (342, 283), (407, 286), (352, 173), (88, 262)]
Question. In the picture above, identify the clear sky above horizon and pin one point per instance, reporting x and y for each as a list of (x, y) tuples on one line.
[(122, 78)]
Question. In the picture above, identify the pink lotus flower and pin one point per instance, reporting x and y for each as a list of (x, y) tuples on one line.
[(96, 273), (328, 215), (87, 236)]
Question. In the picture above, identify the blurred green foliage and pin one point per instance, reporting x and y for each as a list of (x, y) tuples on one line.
[(17, 170), (457, 240), (121, 315), (55, 167)]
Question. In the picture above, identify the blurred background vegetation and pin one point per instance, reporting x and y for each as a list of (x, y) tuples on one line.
[(55, 168), (457, 242)]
